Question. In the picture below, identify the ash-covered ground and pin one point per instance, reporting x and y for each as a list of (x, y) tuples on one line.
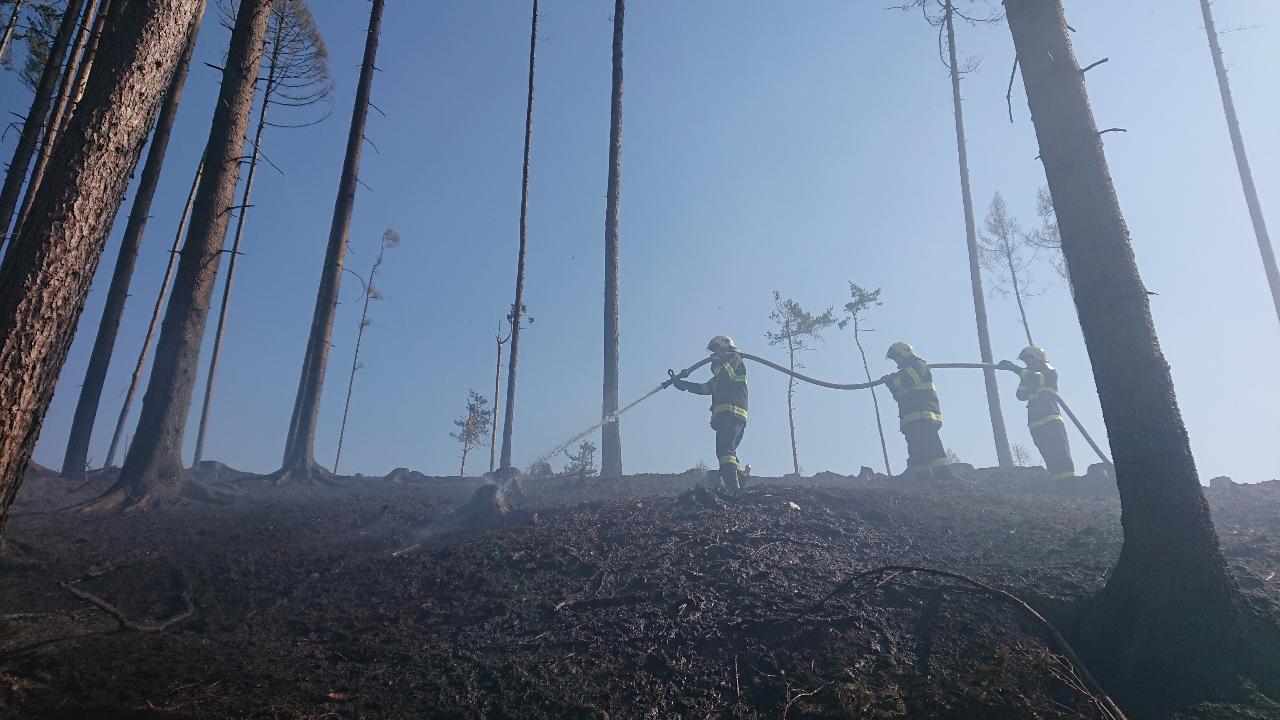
[(629, 599)]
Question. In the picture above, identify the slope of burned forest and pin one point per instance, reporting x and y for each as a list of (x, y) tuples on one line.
[(633, 599)]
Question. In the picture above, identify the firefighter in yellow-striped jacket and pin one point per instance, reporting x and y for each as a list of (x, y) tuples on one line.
[(919, 413), (1039, 388), (728, 390)]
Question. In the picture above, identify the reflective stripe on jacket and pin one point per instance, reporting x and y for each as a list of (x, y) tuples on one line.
[(912, 387), (727, 387), (1039, 388)]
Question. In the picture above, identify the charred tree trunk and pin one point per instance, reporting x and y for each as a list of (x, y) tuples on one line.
[(46, 275), (9, 26), (76, 457), (136, 379), (78, 64), (34, 124), (299, 451), (875, 401), (153, 466), (610, 434), (1003, 456), (497, 386), (517, 308), (245, 196), (1242, 160), (791, 403), (1170, 627)]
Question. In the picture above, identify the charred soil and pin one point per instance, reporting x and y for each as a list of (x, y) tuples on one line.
[(635, 598)]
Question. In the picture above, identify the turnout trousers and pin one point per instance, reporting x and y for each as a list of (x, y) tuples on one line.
[(1051, 440), (924, 446), (729, 429)]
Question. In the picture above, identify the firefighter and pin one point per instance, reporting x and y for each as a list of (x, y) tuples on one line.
[(1039, 388), (728, 390), (919, 414)]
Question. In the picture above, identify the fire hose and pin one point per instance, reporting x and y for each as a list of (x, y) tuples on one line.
[(673, 376)]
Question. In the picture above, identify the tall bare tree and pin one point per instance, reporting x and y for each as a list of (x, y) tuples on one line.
[(1170, 627), (390, 239), (153, 467), (135, 380), (518, 307), (610, 434), (299, 449), (1242, 159), (46, 275), (1006, 251), (34, 124), (860, 305), (76, 72), (297, 76), (500, 340), (797, 330), (6, 35), (77, 454)]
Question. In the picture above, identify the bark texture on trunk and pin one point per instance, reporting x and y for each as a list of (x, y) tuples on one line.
[(136, 378), (47, 273), (34, 124), (246, 195), (1003, 456), (76, 457), (1242, 160), (299, 451), (517, 308), (611, 436), (153, 466), (1170, 627)]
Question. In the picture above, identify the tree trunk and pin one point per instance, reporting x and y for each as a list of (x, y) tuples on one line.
[(46, 275), (497, 385), (153, 467), (9, 26), (884, 448), (76, 457), (517, 308), (791, 405), (611, 436), (1017, 295), (33, 125), (245, 196), (141, 364), (355, 364), (462, 471), (78, 64), (1003, 455), (299, 450), (1242, 160), (1170, 627)]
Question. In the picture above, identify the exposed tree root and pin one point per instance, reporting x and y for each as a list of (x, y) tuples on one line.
[(134, 625), (124, 500), (311, 473), (880, 576)]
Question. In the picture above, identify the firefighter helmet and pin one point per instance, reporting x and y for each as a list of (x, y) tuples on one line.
[(721, 343), (1033, 354), (901, 350)]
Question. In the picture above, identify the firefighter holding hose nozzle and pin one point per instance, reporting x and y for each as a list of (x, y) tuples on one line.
[(1039, 388), (728, 390), (919, 413)]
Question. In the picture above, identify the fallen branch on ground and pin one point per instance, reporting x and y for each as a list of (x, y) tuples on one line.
[(124, 621)]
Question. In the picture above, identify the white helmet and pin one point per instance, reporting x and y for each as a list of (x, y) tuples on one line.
[(721, 343), (1033, 354), (901, 350)]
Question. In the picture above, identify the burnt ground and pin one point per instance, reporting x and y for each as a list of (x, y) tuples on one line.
[(633, 599)]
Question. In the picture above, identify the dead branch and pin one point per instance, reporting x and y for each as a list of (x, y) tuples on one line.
[(1091, 66), (793, 698), (123, 620), (1008, 96), (880, 576), (1111, 130)]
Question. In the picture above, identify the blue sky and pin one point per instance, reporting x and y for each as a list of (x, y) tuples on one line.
[(765, 147)]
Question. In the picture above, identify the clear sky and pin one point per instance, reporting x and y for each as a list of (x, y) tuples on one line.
[(766, 145)]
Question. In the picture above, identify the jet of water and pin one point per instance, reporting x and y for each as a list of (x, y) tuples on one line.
[(604, 421)]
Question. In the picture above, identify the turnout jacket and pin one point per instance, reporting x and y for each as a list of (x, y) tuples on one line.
[(1039, 388), (727, 387), (912, 387)]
